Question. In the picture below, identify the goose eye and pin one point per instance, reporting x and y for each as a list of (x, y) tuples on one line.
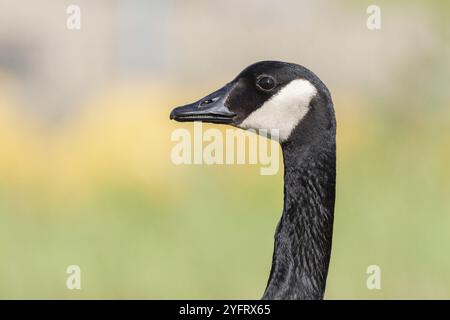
[(266, 83)]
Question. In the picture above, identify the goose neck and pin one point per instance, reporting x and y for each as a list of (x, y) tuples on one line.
[(303, 236)]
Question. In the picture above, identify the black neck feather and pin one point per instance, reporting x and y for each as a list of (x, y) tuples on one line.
[(303, 236)]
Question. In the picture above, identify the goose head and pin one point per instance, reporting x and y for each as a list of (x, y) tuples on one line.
[(267, 95), (289, 98)]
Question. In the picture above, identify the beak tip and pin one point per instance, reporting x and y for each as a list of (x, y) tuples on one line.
[(172, 115)]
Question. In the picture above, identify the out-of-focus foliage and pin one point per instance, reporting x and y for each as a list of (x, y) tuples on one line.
[(98, 189), (103, 194)]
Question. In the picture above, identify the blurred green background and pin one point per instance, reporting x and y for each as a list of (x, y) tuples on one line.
[(85, 170)]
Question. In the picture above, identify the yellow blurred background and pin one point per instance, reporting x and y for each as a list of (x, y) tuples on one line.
[(85, 171)]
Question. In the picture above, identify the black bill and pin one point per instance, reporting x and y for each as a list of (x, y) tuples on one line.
[(208, 109)]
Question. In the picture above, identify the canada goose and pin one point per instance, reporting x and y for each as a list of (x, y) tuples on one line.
[(292, 99)]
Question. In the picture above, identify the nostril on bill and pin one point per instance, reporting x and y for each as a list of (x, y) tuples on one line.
[(207, 101)]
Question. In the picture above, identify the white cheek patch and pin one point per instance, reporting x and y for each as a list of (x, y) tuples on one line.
[(284, 110)]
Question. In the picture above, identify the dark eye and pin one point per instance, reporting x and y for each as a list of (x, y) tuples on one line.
[(266, 83)]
